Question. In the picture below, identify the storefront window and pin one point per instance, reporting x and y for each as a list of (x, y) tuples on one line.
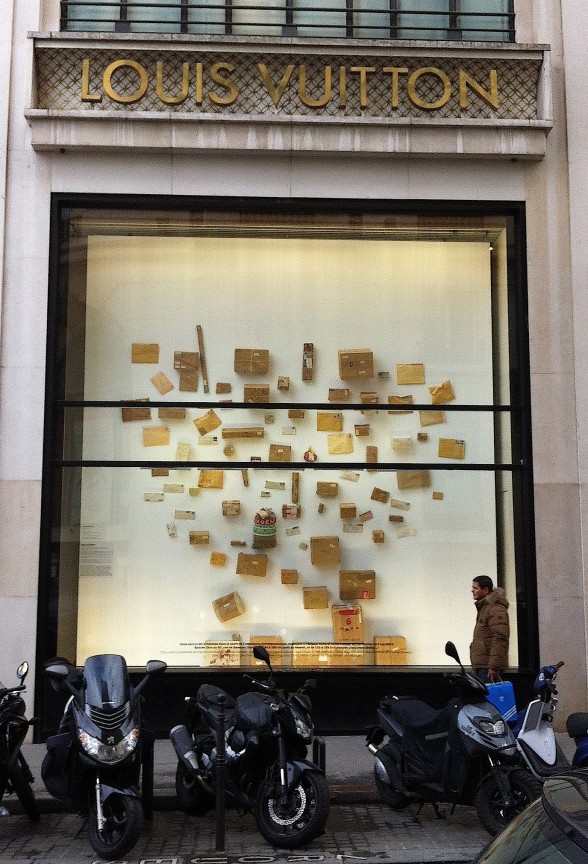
[(294, 427)]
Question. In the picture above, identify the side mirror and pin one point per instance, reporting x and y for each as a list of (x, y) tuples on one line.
[(261, 653), (22, 671), (310, 684), (451, 651), (57, 671), (154, 666)]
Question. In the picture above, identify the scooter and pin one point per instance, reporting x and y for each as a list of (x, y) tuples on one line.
[(253, 749), (102, 751), (536, 739), (15, 774), (464, 753)]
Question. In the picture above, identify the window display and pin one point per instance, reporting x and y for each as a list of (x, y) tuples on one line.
[(276, 469)]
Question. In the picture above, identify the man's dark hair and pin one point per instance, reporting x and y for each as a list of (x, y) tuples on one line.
[(484, 582)]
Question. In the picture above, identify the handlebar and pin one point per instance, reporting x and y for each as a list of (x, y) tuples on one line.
[(5, 691)]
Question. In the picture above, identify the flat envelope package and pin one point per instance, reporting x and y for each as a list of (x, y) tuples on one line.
[(410, 373), (329, 421), (324, 551), (211, 478), (340, 443), (208, 422), (451, 448)]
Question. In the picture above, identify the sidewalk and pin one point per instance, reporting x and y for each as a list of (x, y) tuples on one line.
[(360, 827)]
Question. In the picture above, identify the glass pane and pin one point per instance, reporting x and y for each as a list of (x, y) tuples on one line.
[(92, 16), (490, 27), (429, 20), (251, 18), (206, 17), (371, 19), (320, 17), (154, 16)]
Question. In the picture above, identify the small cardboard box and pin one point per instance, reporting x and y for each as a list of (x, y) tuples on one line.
[(316, 598), (280, 453), (348, 511), (155, 436), (228, 606), (186, 360), (289, 577), (251, 565), (275, 648), (347, 623), (256, 393), (144, 352), (222, 653), (199, 538), (326, 489), (251, 361), (389, 651), (417, 479), (171, 413), (451, 448), (131, 414), (357, 584), (356, 363), (339, 394), (329, 421), (243, 432), (324, 551), (231, 508), (208, 422)]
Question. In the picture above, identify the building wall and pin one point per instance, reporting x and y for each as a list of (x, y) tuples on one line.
[(557, 278)]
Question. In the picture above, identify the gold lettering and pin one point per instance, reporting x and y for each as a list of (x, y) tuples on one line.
[(363, 72), (304, 98), (199, 90), (86, 95), (395, 71), (119, 97), (172, 100), (224, 82), (276, 93), (489, 96), (342, 86), (416, 99)]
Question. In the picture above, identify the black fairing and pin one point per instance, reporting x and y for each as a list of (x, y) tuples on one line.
[(253, 711)]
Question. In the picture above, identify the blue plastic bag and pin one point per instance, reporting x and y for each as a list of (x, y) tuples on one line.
[(501, 695)]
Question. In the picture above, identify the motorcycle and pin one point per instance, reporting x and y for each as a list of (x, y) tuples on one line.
[(102, 751), (15, 774), (262, 757), (464, 753), (536, 739)]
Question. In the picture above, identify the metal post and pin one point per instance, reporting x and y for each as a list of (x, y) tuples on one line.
[(221, 777)]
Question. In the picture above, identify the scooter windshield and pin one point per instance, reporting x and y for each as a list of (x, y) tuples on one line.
[(107, 681)]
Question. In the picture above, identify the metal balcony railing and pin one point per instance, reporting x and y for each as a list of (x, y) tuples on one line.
[(464, 20)]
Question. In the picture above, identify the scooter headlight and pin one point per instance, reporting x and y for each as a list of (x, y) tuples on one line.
[(303, 729), (491, 728), (109, 753)]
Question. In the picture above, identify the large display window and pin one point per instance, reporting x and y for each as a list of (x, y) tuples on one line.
[(304, 426)]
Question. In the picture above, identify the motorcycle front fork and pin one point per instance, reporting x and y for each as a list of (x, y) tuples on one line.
[(100, 820), (502, 782)]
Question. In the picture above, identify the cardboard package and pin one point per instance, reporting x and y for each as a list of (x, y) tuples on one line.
[(144, 352), (389, 651), (131, 413), (451, 448), (431, 418), (400, 400), (162, 383), (208, 422), (155, 436), (280, 453), (211, 478), (231, 508), (357, 584), (347, 511), (347, 623), (327, 489), (256, 393), (324, 551), (339, 443), (339, 394), (329, 421), (289, 577), (417, 479), (243, 432), (229, 606), (251, 361), (171, 413), (316, 598), (410, 373), (356, 363), (222, 653), (199, 538), (442, 393), (251, 565)]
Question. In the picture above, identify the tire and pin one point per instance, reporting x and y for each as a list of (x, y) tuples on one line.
[(24, 792), (300, 819), (394, 799), (192, 798), (492, 814), (122, 828)]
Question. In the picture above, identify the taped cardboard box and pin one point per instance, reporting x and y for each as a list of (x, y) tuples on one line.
[(199, 538), (222, 653), (327, 490), (417, 479), (228, 606), (208, 422), (356, 363), (357, 584), (289, 577), (280, 453), (130, 414), (324, 551), (347, 511), (316, 598), (251, 565), (275, 648), (390, 651), (347, 623), (251, 361), (186, 361), (256, 393)]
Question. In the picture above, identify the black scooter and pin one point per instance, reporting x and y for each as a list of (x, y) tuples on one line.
[(15, 774), (264, 747), (103, 751), (464, 753)]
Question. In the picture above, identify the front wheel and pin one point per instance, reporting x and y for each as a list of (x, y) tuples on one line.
[(493, 814), (298, 818), (120, 832), (24, 792), (393, 798)]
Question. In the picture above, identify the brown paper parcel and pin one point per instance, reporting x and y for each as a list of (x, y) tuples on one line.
[(251, 565), (340, 443), (329, 421), (324, 551), (155, 436), (357, 584), (417, 479), (451, 448), (207, 422), (144, 352), (442, 393), (347, 623), (410, 373), (211, 478), (316, 598), (229, 606)]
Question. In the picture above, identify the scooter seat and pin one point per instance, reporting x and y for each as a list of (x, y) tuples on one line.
[(212, 698), (577, 724), (418, 716)]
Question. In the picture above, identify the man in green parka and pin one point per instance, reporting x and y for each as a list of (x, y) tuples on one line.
[(489, 648)]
